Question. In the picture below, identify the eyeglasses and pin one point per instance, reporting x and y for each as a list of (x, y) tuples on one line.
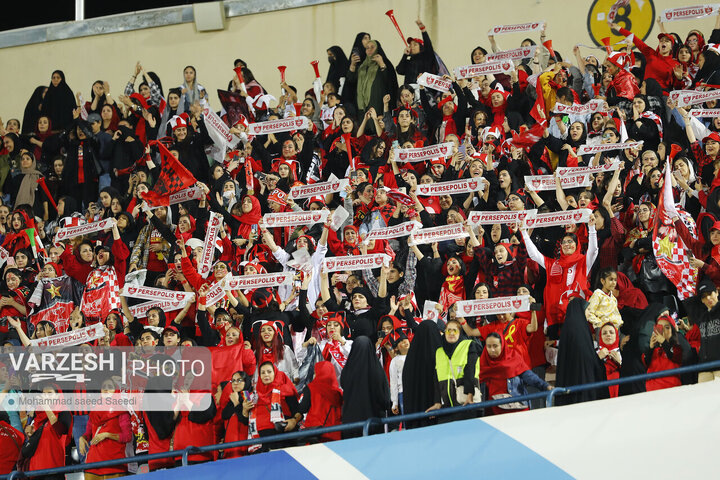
[(236, 380), (608, 135), (568, 242), (452, 330)]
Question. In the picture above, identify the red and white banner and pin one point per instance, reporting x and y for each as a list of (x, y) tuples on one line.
[(205, 263), (452, 187), (218, 131), (399, 197), (491, 306), (276, 126), (547, 182), (192, 193), (614, 9), (152, 293), (71, 337), (705, 112), (517, 28), (691, 97), (395, 231), (140, 311), (322, 188), (492, 218), (355, 262), (214, 294), (687, 13), (487, 68), (406, 155), (558, 219), (567, 171), (581, 109), (607, 147), (514, 54), (86, 229), (4, 254), (438, 234), (428, 80), (259, 280), (292, 219)]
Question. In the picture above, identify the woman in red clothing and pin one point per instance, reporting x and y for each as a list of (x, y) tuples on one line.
[(322, 400), (51, 429), (660, 62), (108, 432), (609, 352), (11, 441), (240, 388), (665, 353), (276, 408)]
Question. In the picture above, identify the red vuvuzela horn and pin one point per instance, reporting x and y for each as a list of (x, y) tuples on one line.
[(314, 64), (390, 13), (282, 73)]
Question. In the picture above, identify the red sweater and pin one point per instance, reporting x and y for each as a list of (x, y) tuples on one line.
[(658, 67)]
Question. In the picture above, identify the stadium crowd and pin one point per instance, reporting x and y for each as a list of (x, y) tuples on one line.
[(326, 345)]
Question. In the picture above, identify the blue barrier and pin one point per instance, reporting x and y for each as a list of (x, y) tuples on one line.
[(548, 395)]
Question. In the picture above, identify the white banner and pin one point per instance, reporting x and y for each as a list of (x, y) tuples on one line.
[(152, 293), (276, 126), (425, 153), (514, 54), (86, 229), (322, 188), (691, 97), (292, 219), (140, 311), (355, 262), (705, 112), (259, 280), (686, 13), (614, 9), (559, 219), (205, 262), (395, 231), (547, 182), (487, 68), (491, 218), (192, 193), (568, 171), (218, 131), (606, 147), (438, 234), (517, 28), (214, 294), (4, 254), (71, 337), (581, 109), (491, 306), (428, 80), (452, 187)]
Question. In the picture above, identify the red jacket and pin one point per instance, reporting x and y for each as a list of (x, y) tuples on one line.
[(196, 429), (658, 67), (117, 422), (657, 361), (11, 441)]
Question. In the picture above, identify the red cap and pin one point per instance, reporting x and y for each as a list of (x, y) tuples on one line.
[(715, 226), (714, 136), (173, 329), (668, 36)]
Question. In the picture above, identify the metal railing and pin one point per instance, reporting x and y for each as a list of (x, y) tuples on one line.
[(365, 426)]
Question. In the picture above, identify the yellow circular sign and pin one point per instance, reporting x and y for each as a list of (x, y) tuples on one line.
[(638, 17)]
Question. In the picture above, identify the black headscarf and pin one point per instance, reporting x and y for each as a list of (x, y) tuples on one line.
[(59, 103), (32, 111), (578, 362), (639, 329), (358, 47), (366, 393), (338, 67), (419, 376), (709, 71)]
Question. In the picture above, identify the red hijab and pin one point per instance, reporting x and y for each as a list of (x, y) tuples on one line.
[(251, 218), (508, 365), (611, 346), (187, 235), (281, 382), (325, 384)]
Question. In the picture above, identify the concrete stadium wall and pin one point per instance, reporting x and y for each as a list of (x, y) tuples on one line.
[(294, 38)]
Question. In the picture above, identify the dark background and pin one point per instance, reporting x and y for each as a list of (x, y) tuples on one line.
[(27, 14)]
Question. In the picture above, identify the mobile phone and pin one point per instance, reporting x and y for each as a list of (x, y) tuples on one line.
[(658, 329), (353, 175), (260, 176), (254, 228)]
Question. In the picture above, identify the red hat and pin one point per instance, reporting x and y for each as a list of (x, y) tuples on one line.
[(714, 136), (495, 131), (173, 329), (143, 102), (257, 266), (177, 122), (57, 268), (715, 226), (416, 40), (666, 316), (278, 196), (619, 59), (316, 199), (241, 121), (668, 36)]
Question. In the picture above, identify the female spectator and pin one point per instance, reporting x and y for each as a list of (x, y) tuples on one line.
[(276, 408), (419, 375), (338, 67), (665, 353), (106, 434), (610, 231), (269, 347), (375, 77), (505, 269), (608, 350), (457, 367), (235, 430), (32, 109), (59, 102), (46, 144), (9, 160), (660, 62), (194, 426), (684, 172), (506, 374), (25, 185), (11, 441), (193, 91), (46, 433), (366, 393), (577, 361), (603, 306), (645, 125), (567, 277), (322, 401)]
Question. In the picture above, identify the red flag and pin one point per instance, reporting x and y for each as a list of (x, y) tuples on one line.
[(529, 137), (670, 251), (173, 178)]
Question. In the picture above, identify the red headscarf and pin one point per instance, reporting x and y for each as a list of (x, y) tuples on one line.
[(187, 235), (613, 345), (251, 218), (508, 365), (281, 382)]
